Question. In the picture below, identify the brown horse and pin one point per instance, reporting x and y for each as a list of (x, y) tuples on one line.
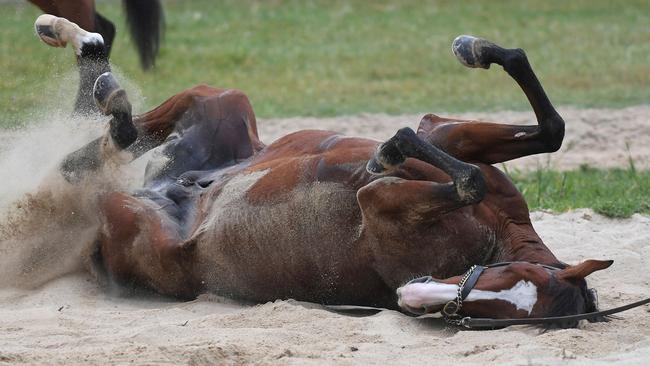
[(321, 217)]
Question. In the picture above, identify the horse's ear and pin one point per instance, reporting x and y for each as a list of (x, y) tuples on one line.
[(584, 269)]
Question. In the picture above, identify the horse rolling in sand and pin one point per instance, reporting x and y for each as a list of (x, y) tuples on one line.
[(317, 216)]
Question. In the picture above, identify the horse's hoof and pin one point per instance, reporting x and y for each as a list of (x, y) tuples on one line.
[(58, 32), (386, 160), (376, 168), (107, 93), (46, 31), (469, 51)]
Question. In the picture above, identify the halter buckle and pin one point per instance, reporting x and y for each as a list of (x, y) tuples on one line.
[(451, 308)]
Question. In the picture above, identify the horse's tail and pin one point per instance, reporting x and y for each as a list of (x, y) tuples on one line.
[(146, 22)]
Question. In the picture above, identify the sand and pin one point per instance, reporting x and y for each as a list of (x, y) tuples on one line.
[(67, 318)]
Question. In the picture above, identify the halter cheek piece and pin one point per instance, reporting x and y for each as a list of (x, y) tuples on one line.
[(465, 286), (450, 312)]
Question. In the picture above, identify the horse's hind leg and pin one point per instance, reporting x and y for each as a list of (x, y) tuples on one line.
[(213, 126), (122, 133), (492, 143), (92, 54)]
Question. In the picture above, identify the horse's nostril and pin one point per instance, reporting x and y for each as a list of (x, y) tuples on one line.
[(423, 279)]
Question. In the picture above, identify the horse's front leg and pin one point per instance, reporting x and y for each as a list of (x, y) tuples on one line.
[(491, 143), (468, 185), (406, 222)]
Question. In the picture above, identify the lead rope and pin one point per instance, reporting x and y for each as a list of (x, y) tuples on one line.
[(451, 308)]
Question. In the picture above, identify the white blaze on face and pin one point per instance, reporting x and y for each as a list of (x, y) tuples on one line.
[(523, 295)]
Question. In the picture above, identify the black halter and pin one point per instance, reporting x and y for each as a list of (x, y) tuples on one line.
[(467, 283)]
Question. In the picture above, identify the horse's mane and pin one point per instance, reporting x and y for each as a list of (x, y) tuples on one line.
[(570, 300)]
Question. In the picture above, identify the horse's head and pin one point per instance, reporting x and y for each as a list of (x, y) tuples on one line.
[(509, 290)]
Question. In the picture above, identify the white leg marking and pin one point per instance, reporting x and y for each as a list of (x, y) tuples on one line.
[(67, 31)]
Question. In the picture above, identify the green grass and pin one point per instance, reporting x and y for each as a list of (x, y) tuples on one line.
[(613, 193), (336, 57)]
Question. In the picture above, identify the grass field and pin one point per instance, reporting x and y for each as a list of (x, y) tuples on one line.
[(613, 193), (324, 58), (337, 57)]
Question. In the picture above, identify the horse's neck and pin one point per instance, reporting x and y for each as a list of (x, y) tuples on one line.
[(520, 243)]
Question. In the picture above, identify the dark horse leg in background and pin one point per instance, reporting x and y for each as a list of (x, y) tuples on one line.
[(146, 23)]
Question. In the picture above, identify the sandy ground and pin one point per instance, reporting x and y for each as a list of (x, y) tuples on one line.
[(71, 320)]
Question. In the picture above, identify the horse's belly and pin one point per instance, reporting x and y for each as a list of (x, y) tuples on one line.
[(295, 245)]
